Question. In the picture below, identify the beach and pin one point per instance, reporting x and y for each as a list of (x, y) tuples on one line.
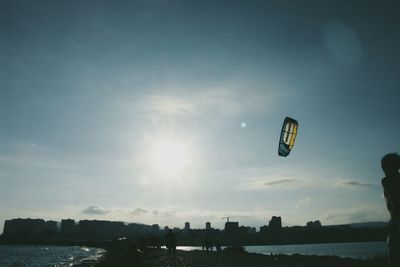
[(233, 258)]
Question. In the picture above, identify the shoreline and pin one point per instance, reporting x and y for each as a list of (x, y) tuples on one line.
[(121, 254), (234, 257)]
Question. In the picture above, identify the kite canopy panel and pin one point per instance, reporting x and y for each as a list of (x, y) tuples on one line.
[(288, 135)]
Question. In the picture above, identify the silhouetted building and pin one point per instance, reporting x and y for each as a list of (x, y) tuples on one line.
[(51, 226), (100, 230), (275, 222), (187, 226), (247, 230), (208, 226), (67, 227), (231, 227), (155, 228), (25, 226), (314, 225), (263, 229), (137, 229)]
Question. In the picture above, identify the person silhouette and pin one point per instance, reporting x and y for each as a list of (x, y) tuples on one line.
[(170, 242), (391, 188)]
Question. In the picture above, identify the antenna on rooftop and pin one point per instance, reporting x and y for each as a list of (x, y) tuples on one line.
[(227, 219)]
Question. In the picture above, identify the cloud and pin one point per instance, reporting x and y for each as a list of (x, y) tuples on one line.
[(161, 106), (219, 100), (164, 213), (170, 106), (355, 184), (363, 214), (262, 183), (94, 210), (140, 211), (279, 182)]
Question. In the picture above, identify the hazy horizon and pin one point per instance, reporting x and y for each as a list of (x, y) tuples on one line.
[(170, 111)]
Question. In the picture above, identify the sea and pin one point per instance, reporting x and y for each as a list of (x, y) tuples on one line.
[(46, 256), (356, 250)]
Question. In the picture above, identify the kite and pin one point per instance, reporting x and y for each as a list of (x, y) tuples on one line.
[(288, 135)]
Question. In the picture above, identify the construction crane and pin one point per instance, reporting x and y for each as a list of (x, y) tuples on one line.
[(229, 217)]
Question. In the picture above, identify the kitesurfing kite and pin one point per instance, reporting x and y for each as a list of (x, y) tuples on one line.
[(288, 135)]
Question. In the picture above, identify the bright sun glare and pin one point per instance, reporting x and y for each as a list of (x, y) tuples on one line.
[(169, 157)]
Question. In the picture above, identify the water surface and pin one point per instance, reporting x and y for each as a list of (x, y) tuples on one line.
[(55, 256), (360, 250)]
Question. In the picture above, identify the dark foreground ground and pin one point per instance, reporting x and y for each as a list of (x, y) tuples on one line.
[(234, 258)]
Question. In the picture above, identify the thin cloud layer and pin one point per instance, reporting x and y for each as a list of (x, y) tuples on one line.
[(140, 211), (226, 100), (279, 182), (363, 214), (356, 184), (164, 213), (258, 184), (95, 210)]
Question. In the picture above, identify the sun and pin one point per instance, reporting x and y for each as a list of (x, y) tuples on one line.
[(168, 157)]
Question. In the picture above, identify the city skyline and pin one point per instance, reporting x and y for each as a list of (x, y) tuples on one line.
[(152, 236), (170, 111), (275, 222)]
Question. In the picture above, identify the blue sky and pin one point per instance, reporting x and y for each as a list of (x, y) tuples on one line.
[(135, 110)]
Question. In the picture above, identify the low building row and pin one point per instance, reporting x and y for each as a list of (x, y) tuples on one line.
[(88, 229)]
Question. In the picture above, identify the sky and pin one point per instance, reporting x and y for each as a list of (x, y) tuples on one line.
[(162, 112)]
